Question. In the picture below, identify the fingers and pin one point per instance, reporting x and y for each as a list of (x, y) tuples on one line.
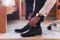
[(29, 17)]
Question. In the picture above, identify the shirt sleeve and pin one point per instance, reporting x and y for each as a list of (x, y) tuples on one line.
[(47, 7)]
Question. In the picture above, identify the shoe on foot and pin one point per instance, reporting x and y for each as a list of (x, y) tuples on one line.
[(32, 32), (23, 29)]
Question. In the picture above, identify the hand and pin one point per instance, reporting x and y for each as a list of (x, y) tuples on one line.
[(33, 21), (29, 17)]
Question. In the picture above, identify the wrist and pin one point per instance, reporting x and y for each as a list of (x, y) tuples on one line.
[(37, 15)]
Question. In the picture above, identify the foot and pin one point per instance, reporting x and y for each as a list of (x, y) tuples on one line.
[(23, 29), (32, 32)]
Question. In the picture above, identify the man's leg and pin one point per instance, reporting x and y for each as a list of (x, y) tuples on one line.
[(28, 11), (29, 8), (34, 30)]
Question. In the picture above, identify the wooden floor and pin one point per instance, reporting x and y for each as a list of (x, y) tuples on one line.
[(35, 38)]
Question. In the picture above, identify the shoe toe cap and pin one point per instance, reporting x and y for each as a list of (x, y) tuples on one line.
[(18, 30)]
